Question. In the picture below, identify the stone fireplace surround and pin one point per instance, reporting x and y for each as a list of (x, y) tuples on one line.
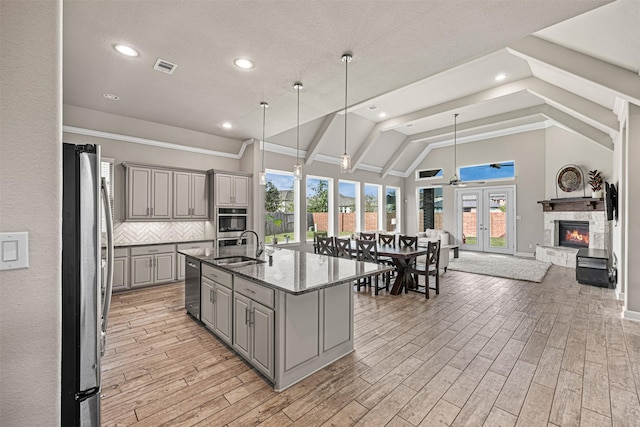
[(549, 251)]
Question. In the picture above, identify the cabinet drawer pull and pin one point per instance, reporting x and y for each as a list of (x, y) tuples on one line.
[(250, 290), (246, 316), (211, 295), (152, 250)]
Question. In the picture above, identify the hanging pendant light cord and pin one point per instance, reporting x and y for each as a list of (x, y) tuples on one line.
[(298, 87), (346, 82), (264, 115), (455, 141)]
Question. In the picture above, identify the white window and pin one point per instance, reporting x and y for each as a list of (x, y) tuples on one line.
[(281, 217), (372, 207), (319, 205)]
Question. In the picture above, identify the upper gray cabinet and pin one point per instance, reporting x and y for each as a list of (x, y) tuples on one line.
[(156, 193), (231, 190), (189, 195), (149, 193)]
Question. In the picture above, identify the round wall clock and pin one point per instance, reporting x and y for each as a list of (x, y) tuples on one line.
[(569, 179)]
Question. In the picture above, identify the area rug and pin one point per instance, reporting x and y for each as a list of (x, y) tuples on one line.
[(500, 265)]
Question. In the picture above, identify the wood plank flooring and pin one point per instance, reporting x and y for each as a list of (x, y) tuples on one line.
[(486, 351)]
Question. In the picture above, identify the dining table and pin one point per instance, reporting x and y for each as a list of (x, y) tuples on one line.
[(402, 259)]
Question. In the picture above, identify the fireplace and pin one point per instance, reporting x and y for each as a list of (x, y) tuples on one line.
[(573, 234)]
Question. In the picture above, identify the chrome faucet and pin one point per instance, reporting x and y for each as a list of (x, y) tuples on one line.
[(260, 247)]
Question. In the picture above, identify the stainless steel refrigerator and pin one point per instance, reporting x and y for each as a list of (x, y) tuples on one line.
[(85, 298)]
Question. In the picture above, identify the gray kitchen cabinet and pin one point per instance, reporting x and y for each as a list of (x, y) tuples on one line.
[(206, 302), (189, 195), (152, 265), (216, 301), (254, 324), (149, 193), (120, 274), (120, 269), (262, 338), (231, 190), (180, 273)]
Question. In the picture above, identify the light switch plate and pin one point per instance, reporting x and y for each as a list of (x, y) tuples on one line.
[(14, 250)]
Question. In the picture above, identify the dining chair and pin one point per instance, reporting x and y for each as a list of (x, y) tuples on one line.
[(342, 247), (368, 236), (325, 246), (430, 268), (367, 250), (407, 241), (387, 240), (317, 234)]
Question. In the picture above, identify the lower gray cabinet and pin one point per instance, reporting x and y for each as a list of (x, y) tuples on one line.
[(216, 308), (253, 333), (152, 264), (120, 273)]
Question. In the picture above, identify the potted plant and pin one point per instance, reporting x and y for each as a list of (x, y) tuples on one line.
[(286, 238), (277, 222), (595, 181)]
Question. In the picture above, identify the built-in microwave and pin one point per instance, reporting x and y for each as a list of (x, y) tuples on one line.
[(232, 222)]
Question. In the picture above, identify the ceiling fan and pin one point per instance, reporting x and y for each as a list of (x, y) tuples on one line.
[(454, 180)]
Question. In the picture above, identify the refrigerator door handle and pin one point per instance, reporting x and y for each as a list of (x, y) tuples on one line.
[(109, 285)]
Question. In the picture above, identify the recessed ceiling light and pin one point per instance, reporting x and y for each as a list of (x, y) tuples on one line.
[(243, 63), (226, 125), (383, 114), (111, 96), (501, 77), (126, 50)]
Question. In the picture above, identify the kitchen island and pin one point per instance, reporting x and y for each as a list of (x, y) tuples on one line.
[(288, 313)]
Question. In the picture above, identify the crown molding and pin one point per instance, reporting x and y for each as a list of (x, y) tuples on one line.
[(152, 142)]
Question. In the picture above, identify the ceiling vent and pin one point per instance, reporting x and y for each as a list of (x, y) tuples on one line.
[(372, 108), (165, 66)]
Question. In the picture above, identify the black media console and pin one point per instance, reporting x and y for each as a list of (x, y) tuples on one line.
[(592, 267)]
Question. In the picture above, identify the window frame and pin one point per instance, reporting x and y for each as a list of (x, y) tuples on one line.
[(418, 189), (296, 205), (330, 209), (379, 204), (512, 178), (398, 207), (357, 202), (433, 178)]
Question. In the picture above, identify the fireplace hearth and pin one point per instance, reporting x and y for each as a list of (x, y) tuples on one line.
[(573, 234)]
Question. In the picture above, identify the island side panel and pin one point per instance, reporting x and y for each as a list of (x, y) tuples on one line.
[(302, 329), (338, 317), (288, 373)]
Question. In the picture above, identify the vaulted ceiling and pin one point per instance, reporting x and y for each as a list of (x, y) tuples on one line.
[(567, 64)]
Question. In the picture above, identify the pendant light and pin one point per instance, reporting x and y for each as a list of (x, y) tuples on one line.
[(263, 176), (345, 160), (297, 168)]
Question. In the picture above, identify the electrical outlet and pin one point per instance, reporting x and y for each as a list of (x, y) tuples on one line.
[(530, 246)]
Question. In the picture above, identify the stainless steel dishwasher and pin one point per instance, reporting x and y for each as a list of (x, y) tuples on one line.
[(192, 287)]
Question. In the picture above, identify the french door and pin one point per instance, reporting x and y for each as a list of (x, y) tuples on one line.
[(485, 219)]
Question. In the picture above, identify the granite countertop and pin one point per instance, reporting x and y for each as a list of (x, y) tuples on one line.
[(291, 271)]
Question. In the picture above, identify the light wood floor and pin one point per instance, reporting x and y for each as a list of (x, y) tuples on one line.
[(486, 351)]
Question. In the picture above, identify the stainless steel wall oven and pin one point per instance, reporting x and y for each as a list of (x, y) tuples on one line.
[(231, 222)]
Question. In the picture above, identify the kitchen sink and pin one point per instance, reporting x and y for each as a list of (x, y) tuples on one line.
[(237, 261)]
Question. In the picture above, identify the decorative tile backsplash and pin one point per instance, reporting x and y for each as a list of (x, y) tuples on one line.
[(152, 232)]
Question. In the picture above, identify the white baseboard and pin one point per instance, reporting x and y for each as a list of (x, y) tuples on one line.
[(525, 254), (631, 315)]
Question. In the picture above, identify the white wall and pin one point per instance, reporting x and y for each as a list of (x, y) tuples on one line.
[(31, 200), (630, 218), (526, 149), (538, 155), (564, 147)]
